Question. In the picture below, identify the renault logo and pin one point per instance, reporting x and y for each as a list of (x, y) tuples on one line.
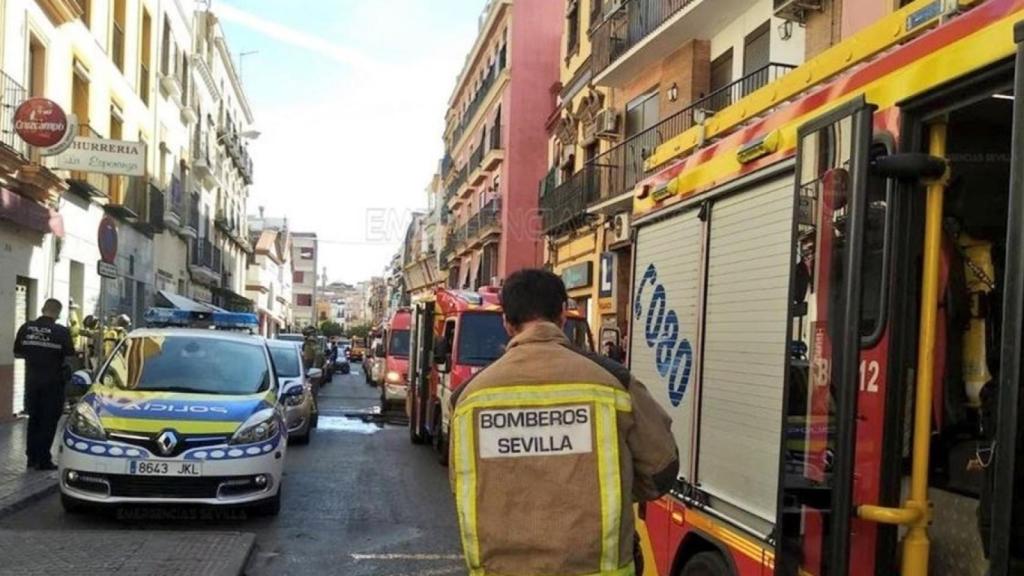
[(166, 442)]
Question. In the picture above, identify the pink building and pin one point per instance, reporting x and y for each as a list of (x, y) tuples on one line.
[(496, 142)]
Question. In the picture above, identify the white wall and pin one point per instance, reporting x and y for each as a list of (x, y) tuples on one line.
[(789, 51)]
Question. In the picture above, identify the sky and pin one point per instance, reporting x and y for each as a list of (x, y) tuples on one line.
[(349, 98)]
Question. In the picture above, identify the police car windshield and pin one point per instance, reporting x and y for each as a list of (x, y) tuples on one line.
[(179, 363), (482, 338), (286, 360), (290, 337)]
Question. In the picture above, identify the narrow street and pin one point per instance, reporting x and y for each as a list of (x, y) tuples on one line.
[(359, 500)]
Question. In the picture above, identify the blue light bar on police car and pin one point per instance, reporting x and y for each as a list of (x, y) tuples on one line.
[(200, 319)]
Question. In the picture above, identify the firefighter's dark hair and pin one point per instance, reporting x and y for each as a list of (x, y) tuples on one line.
[(533, 294)]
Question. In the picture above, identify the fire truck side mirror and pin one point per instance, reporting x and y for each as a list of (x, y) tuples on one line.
[(910, 166), (442, 356)]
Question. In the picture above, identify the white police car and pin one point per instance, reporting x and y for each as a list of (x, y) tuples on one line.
[(179, 415)]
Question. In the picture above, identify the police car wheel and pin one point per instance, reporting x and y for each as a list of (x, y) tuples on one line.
[(304, 439), (706, 564), (269, 507)]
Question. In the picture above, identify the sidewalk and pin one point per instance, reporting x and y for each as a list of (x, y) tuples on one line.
[(19, 487), (132, 553)]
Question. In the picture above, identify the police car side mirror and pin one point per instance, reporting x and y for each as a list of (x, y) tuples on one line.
[(314, 374), (81, 379)]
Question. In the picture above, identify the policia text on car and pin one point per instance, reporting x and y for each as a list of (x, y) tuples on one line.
[(553, 440)]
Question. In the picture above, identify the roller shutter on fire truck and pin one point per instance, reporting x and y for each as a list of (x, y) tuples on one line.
[(725, 266)]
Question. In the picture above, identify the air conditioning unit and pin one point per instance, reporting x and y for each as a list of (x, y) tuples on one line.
[(796, 10), (620, 230), (607, 123)]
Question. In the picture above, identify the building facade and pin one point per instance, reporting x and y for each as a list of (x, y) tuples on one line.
[(122, 68), (495, 141), (269, 274), (636, 73), (304, 279)]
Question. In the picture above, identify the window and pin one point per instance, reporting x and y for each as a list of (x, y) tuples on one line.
[(756, 58), (80, 94), (165, 48), (398, 344), (36, 67), (86, 12), (721, 76), (306, 253), (572, 29), (145, 54), (117, 34), (642, 113), (304, 300), (595, 12), (286, 361), (482, 338)]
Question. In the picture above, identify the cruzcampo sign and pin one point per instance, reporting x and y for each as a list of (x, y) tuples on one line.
[(88, 154)]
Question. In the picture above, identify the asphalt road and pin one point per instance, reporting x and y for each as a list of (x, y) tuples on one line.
[(359, 500)]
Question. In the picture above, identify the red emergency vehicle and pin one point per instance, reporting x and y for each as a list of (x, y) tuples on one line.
[(827, 274), (395, 386), (455, 334)]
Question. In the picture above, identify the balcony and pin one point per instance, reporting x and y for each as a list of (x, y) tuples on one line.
[(640, 33), (191, 227), (201, 262), (447, 164), (476, 159), (174, 215), (482, 95), (480, 226), (170, 85), (608, 180), (12, 95), (495, 154), (457, 183)]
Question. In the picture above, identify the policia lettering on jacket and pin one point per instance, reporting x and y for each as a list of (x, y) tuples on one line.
[(535, 432)]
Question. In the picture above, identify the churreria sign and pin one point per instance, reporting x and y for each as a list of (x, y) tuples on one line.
[(673, 355)]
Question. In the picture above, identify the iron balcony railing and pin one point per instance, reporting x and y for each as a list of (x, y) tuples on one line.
[(446, 165), (476, 157), (487, 217), (176, 198), (618, 169), (460, 178), (494, 138), (624, 28), (12, 95), (481, 95), (202, 253)]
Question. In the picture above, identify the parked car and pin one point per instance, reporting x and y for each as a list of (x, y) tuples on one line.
[(373, 366), (179, 414), (300, 406), (320, 362)]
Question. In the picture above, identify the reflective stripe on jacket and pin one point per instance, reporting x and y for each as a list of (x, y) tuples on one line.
[(550, 447)]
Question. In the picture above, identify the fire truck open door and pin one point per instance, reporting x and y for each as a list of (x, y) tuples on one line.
[(819, 420), (1006, 552)]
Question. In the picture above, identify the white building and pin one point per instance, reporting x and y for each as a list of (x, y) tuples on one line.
[(269, 275)]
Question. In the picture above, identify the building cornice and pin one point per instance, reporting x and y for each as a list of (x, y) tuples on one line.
[(61, 11)]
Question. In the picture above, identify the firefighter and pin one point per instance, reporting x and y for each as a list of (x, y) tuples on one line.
[(551, 445), (45, 346), (115, 332), (309, 347)]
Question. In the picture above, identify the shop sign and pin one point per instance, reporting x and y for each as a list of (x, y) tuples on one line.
[(99, 155), (607, 286), (41, 122), (577, 276)]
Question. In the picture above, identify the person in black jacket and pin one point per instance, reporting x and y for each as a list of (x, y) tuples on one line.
[(45, 346)]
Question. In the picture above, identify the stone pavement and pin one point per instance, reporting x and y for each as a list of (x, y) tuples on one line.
[(18, 486), (134, 553)]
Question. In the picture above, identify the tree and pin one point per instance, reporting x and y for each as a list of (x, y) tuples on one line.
[(359, 331), (331, 329)]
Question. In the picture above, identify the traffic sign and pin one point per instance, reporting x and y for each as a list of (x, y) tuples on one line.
[(106, 269), (107, 239)]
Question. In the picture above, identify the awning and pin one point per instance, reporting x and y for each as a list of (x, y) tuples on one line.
[(29, 214)]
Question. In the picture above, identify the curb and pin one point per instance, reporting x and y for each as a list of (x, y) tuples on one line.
[(23, 498)]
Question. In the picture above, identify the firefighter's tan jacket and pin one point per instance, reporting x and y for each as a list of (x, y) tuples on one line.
[(550, 447)]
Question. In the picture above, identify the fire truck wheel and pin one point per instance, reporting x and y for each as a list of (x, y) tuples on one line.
[(440, 441), (706, 564)]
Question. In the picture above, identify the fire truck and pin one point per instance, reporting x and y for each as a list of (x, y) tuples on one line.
[(828, 298), (454, 335)]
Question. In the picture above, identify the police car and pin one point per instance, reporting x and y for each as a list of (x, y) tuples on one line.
[(179, 414)]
